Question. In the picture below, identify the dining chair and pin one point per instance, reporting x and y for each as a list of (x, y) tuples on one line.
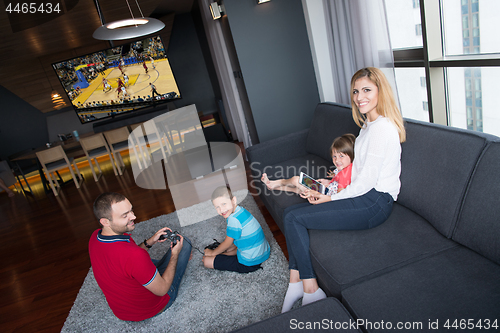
[(7, 175), (137, 135), (158, 147), (55, 159), (96, 146), (21, 167), (118, 140)]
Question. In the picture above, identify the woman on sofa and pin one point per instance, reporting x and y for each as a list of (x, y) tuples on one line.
[(367, 201)]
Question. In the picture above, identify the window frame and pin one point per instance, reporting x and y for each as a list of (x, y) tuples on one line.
[(431, 57)]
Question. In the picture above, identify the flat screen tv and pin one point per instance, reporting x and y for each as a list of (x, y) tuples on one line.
[(118, 80)]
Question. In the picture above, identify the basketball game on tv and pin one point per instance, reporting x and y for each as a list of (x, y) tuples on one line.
[(121, 79)]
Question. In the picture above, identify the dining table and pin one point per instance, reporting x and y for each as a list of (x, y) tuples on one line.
[(71, 146)]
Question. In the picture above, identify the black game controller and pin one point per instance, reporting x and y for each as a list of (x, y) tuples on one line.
[(213, 246), (172, 236)]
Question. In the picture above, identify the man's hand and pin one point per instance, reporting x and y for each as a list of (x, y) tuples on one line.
[(209, 253), (176, 249), (156, 237), (161, 284)]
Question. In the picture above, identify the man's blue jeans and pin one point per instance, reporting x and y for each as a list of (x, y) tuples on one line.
[(363, 212), (182, 262)]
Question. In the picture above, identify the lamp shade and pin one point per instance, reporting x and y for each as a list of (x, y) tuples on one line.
[(129, 28)]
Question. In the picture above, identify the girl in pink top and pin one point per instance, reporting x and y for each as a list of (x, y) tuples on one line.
[(342, 151)]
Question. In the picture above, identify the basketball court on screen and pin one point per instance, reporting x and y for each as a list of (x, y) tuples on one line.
[(138, 83)]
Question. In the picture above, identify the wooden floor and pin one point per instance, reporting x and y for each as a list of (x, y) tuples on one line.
[(45, 245)]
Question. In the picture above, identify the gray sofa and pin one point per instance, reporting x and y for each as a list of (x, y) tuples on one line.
[(436, 260)]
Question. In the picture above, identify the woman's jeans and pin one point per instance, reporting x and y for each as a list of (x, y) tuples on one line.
[(363, 212), (182, 262)]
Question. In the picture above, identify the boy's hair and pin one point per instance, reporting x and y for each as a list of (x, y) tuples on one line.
[(344, 144), (103, 203), (222, 191)]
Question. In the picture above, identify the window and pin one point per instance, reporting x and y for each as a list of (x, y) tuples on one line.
[(412, 94), (418, 30), (405, 29), (423, 83), (403, 19), (449, 78), (425, 106), (476, 30)]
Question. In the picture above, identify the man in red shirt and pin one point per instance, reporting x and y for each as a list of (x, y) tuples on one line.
[(136, 287)]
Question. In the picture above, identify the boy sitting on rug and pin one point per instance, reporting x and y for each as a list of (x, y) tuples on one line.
[(245, 246)]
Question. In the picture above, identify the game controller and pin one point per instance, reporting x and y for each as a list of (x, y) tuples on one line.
[(213, 246), (172, 236)]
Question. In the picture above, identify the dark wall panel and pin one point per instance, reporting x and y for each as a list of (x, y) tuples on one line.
[(22, 126), (275, 57), (189, 67)]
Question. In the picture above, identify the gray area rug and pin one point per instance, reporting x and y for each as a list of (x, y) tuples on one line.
[(208, 300)]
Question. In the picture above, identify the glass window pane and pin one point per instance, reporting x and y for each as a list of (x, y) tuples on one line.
[(472, 100), (465, 21), (412, 94), (405, 27), (459, 25), (475, 20)]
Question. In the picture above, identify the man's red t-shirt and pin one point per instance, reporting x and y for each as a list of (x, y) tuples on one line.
[(122, 269)]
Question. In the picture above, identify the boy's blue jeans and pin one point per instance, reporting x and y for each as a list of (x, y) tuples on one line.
[(363, 212), (182, 262)]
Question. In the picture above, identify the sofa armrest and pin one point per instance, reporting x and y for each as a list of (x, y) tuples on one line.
[(277, 150)]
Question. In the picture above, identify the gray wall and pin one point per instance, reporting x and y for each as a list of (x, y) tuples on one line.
[(275, 58), (22, 126), (65, 121), (189, 66)]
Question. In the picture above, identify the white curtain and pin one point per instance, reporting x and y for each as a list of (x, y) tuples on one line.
[(358, 37), (230, 96)]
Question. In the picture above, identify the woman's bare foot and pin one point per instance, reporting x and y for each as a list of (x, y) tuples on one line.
[(271, 184)]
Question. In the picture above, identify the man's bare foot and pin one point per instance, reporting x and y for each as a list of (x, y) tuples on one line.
[(271, 184)]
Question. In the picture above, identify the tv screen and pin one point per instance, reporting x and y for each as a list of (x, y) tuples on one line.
[(118, 80)]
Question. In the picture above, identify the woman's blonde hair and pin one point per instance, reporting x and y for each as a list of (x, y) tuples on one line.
[(386, 106)]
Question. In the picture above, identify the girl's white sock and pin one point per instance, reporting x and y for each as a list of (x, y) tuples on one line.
[(315, 296), (293, 294)]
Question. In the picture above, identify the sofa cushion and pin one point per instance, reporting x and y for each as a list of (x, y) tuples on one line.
[(276, 150), (343, 258), (455, 284), (330, 120), (478, 226), (325, 315), (277, 201), (436, 165)]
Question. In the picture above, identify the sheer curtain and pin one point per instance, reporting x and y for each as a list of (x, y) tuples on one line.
[(358, 36), (230, 95)]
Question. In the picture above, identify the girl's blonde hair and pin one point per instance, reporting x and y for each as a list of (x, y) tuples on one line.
[(386, 106)]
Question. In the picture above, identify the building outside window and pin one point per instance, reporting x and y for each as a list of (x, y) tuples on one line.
[(458, 57)]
